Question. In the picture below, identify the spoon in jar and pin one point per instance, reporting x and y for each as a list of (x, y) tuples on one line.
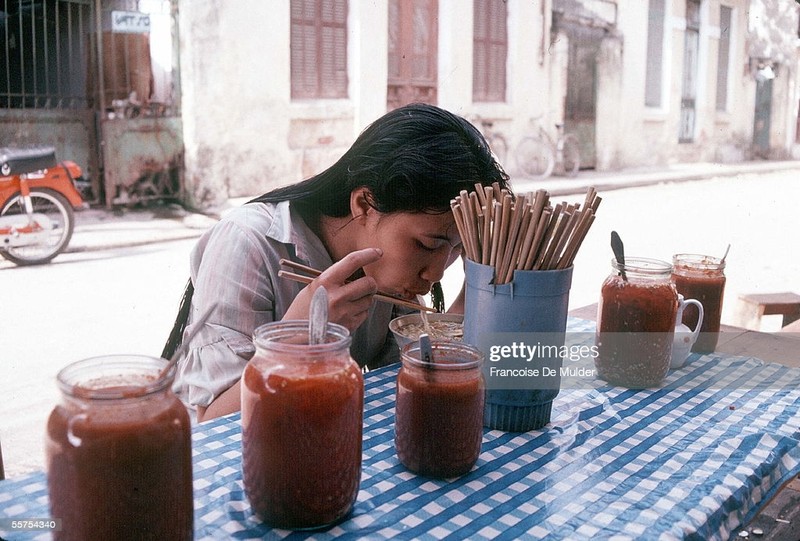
[(184, 347), (619, 253), (425, 349), (318, 317), (728, 249)]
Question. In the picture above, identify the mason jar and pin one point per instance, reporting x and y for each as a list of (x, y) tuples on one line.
[(302, 412), (701, 277), (118, 450), (439, 409), (636, 323)]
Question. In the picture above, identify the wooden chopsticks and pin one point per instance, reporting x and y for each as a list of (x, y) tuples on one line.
[(522, 233), (314, 273)]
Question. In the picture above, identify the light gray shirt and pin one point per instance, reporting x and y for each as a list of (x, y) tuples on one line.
[(236, 264)]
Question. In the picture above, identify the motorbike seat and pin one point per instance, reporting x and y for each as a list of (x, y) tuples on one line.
[(18, 161)]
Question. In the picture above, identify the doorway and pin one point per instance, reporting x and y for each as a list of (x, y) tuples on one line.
[(580, 107), (413, 42), (762, 118)]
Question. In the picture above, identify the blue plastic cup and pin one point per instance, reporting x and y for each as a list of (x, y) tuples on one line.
[(535, 301)]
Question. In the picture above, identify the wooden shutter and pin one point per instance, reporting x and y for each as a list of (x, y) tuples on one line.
[(490, 49), (319, 48), (412, 55)]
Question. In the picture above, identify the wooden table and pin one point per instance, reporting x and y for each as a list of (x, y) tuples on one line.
[(779, 520)]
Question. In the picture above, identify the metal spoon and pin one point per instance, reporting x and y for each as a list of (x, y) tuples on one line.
[(425, 349), (318, 317), (619, 253)]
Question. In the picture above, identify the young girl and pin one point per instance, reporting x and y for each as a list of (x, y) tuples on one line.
[(381, 213)]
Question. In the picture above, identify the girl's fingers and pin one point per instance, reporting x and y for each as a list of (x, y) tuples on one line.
[(339, 272)]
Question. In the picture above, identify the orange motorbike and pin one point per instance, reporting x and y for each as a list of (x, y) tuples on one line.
[(38, 196)]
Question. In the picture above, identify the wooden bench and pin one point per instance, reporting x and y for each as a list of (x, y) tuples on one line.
[(753, 307)]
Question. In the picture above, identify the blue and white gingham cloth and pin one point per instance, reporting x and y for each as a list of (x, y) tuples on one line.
[(692, 460)]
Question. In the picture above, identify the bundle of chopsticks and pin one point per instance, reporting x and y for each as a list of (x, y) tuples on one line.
[(525, 232), (311, 273)]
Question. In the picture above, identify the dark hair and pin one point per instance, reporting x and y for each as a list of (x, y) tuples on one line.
[(415, 159)]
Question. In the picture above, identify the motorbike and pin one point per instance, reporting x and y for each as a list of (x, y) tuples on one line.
[(38, 197)]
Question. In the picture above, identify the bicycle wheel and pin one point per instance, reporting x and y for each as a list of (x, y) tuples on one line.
[(570, 151), (498, 146), (58, 211), (535, 158)]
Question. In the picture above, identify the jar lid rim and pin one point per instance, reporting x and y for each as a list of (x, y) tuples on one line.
[(273, 335), (91, 378), (413, 347), (699, 260), (643, 265)]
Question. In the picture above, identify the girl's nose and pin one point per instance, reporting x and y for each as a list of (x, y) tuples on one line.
[(433, 271)]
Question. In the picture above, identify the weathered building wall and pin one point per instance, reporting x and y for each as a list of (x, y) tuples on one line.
[(244, 134)]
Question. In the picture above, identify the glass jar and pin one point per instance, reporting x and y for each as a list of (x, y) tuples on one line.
[(701, 277), (439, 409), (118, 448), (302, 412), (636, 323)]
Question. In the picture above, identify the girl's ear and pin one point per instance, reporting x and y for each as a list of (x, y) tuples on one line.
[(359, 204)]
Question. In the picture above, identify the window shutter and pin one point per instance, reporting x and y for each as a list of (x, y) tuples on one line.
[(490, 50), (319, 49)]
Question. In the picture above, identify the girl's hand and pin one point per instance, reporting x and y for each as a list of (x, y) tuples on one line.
[(348, 302)]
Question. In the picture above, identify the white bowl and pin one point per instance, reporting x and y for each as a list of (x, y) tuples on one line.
[(407, 328)]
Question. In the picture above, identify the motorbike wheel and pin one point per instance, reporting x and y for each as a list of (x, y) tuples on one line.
[(56, 207)]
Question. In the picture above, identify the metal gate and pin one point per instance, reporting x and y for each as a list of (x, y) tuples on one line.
[(139, 100), (97, 79)]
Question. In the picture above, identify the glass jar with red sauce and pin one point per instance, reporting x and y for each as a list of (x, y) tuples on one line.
[(439, 409), (701, 277), (636, 323), (118, 447), (302, 412)]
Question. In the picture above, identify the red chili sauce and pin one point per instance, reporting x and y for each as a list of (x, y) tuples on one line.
[(636, 325), (707, 286), (121, 469), (301, 432), (439, 421)]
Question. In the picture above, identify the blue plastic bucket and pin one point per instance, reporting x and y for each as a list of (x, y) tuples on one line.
[(535, 301)]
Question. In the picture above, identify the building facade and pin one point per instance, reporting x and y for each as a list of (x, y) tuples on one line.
[(203, 100)]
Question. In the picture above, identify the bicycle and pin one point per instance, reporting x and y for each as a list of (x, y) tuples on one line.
[(496, 140), (538, 157)]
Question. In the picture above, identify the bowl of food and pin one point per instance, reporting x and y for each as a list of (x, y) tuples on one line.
[(408, 328)]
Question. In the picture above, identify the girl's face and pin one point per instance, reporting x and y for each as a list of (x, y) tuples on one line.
[(417, 248)]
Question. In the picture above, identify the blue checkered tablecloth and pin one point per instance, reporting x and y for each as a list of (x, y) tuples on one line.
[(692, 460)]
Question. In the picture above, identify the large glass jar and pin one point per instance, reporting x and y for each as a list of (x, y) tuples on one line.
[(302, 411), (636, 323), (118, 448), (701, 277), (439, 409)]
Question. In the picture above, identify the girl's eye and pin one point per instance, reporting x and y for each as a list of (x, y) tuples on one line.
[(425, 246)]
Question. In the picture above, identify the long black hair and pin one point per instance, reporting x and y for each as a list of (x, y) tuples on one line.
[(415, 159)]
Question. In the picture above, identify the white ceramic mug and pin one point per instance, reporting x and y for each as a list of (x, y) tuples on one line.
[(684, 336)]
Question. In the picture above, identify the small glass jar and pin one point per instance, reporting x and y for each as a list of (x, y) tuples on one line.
[(118, 447), (701, 277), (302, 412), (636, 323), (439, 409)]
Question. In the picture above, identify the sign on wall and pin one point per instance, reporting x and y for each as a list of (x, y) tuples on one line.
[(130, 22)]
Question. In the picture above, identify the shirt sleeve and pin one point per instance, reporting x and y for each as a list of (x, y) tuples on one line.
[(231, 270)]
